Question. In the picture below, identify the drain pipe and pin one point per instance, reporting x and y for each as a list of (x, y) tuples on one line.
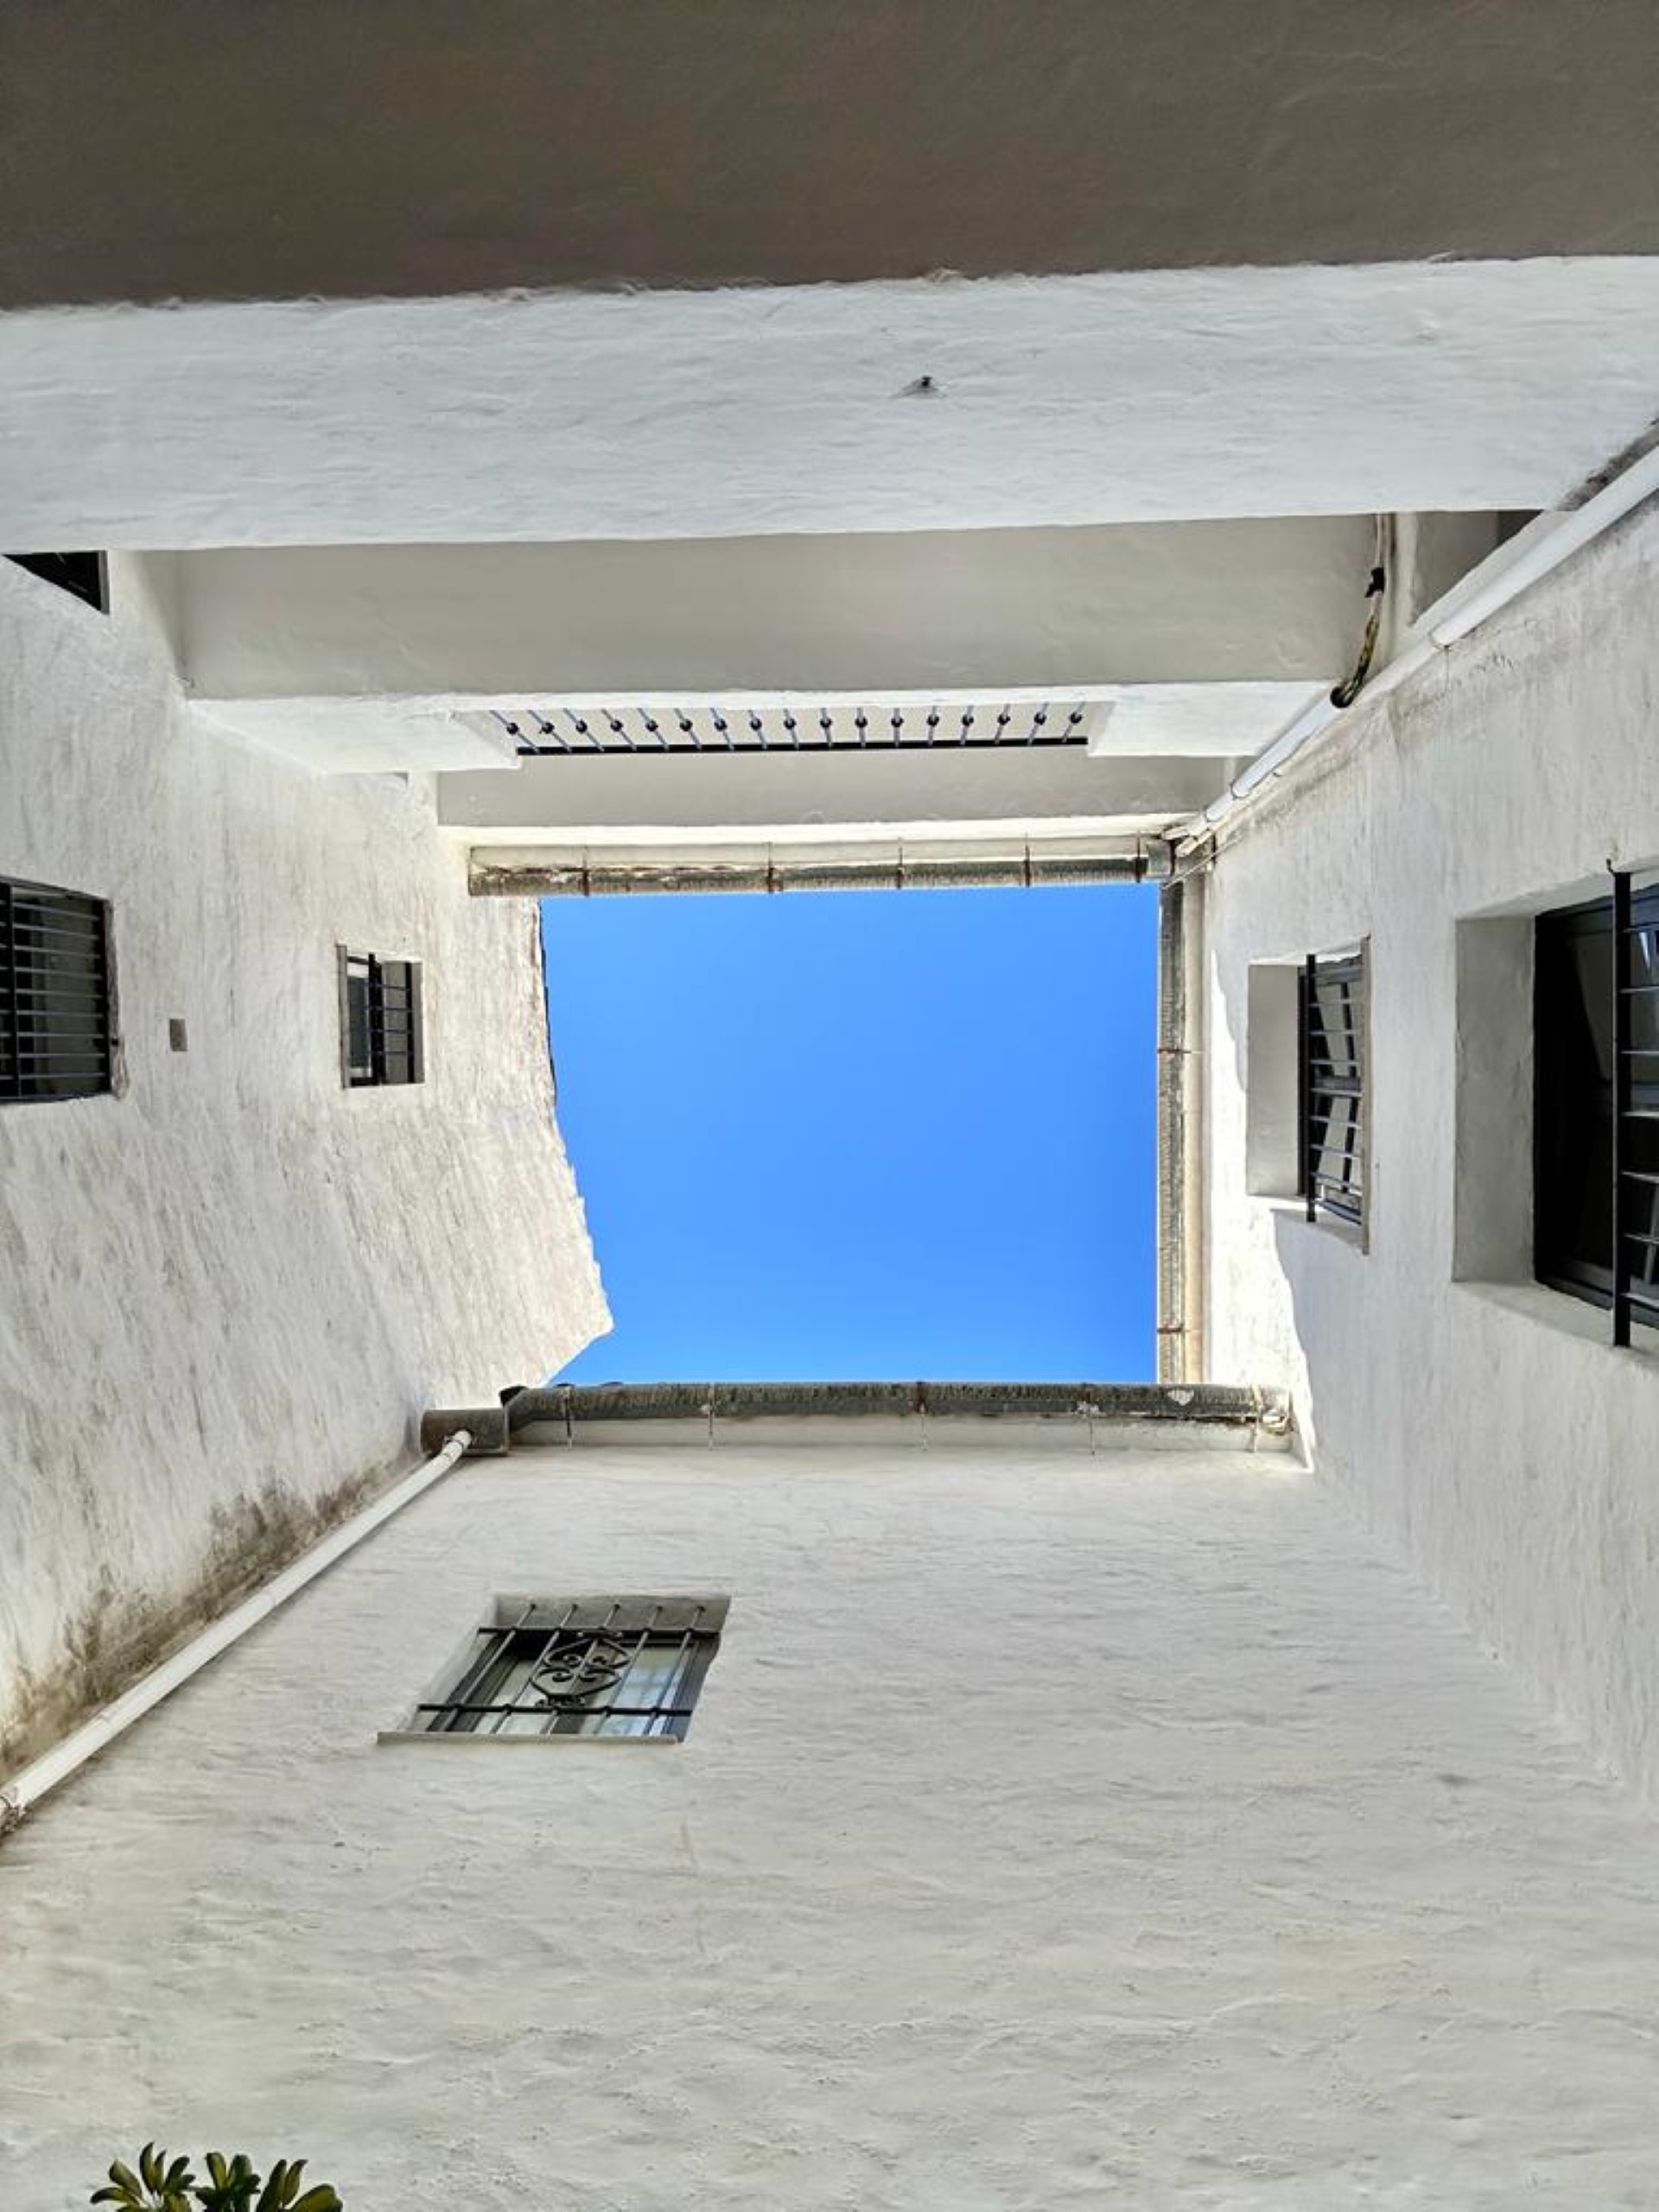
[(593, 873), (1464, 611), (1171, 1134), (27, 1788)]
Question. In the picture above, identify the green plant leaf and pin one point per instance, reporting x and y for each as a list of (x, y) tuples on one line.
[(164, 2184)]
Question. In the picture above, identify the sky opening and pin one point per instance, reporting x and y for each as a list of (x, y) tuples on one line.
[(872, 1135)]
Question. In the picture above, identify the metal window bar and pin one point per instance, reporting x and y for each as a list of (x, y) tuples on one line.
[(633, 1677), (1331, 1088), (380, 1014), (56, 1030)]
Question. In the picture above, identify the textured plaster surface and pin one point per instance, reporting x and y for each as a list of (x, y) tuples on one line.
[(549, 797), (1147, 396), (350, 655), (887, 611), (433, 146), (1052, 1830), (1488, 1428), (226, 1294)]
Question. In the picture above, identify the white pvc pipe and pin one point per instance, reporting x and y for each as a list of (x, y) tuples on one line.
[(26, 1788), (1529, 566), (1577, 528)]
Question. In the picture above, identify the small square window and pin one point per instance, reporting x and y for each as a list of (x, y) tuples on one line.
[(83, 575), (380, 1030), (55, 999), (1331, 1022), (626, 1669), (1596, 1102)]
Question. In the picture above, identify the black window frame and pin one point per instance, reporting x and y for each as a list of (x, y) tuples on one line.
[(558, 1669), (382, 1028), (84, 576), (57, 994), (1596, 1103), (1332, 1058)]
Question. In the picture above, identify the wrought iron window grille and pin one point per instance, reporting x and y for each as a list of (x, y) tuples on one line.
[(1332, 1089), (1596, 1102), (56, 1010), (381, 1033), (619, 1668)]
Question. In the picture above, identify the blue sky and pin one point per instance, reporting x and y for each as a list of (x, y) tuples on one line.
[(900, 1135)]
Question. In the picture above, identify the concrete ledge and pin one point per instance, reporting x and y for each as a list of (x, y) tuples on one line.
[(561, 1409)]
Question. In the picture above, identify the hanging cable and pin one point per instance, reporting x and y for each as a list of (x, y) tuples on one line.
[(1347, 692)]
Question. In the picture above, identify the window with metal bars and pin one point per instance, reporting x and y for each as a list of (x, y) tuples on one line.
[(83, 575), (380, 1030), (626, 1669), (1332, 1020), (55, 1026), (1596, 1102)]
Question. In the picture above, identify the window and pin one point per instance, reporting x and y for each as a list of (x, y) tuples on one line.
[(1333, 1100), (1596, 1102), (617, 1667), (1273, 1144), (379, 1020), (54, 994), (84, 575)]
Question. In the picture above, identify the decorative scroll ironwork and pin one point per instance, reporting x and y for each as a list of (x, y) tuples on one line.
[(577, 1668)]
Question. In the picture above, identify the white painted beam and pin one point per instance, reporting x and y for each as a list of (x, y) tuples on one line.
[(883, 613), (834, 795), (1069, 400)]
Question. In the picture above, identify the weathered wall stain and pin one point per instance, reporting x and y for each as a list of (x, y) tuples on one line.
[(226, 1296)]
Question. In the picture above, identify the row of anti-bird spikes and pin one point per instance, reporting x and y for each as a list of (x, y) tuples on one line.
[(752, 729)]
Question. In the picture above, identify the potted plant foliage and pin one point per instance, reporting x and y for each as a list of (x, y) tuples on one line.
[(164, 2184)]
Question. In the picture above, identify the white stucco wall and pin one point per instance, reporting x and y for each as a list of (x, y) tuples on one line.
[(226, 1294), (1052, 1830), (1487, 1427)]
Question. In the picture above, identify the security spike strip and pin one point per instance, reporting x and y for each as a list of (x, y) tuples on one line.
[(751, 729)]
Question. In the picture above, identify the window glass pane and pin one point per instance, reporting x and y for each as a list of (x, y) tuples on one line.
[(1574, 1094), (1592, 960), (1333, 1131), (360, 1049), (383, 1019), (1335, 1040), (398, 1021), (652, 1680)]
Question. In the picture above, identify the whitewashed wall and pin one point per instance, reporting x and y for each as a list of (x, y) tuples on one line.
[(1052, 1831), (226, 1295), (1486, 1426)]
